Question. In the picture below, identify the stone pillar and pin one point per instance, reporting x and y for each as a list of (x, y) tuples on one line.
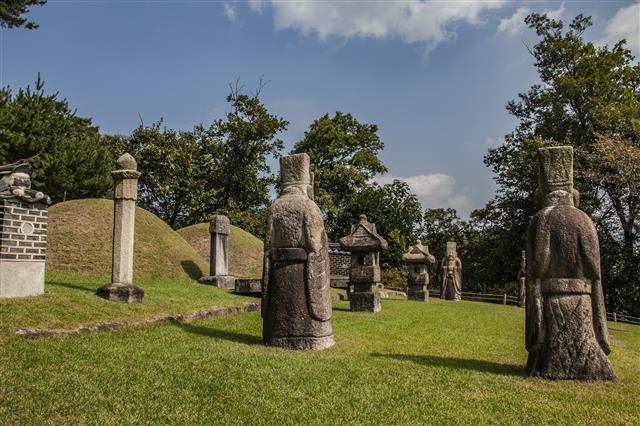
[(23, 233), (418, 257), (365, 245), (121, 288), (219, 226)]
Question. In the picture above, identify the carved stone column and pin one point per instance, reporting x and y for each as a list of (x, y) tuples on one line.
[(121, 288), (219, 227)]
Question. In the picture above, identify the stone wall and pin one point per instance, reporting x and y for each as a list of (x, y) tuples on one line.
[(339, 262), (23, 231)]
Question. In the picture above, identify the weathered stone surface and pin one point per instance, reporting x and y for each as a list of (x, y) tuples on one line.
[(219, 227), (248, 286), (418, 258), (451, 268), (566, 328), (121, 288), (365, 244), (119, 292), (522, 279), (296, 297), (23, 233)]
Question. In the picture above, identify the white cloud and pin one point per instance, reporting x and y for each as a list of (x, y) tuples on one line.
[(434, 191), (420, 21), (625, 24), (229, 11), (515, 23)]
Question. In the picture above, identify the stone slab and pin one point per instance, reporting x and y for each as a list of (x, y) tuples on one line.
[(118, 292), (223, 281), (248, 286), (20, 279)]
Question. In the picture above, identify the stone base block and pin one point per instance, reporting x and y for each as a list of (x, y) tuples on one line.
[(223, 281), (301, 343), (118, 292), (20, 279), (248, 286), (418, 294), (365, 302)]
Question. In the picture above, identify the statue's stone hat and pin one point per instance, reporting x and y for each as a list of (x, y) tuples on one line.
[(555, 169), (295, 170)]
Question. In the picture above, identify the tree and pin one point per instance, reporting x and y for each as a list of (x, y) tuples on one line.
[(174, 183), (237, 149), (344, 153), (65, 150), (585, 91), (396, 212), (11, 12)]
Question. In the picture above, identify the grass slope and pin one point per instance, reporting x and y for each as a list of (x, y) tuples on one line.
[(81, 234), (413, 363), (245, 250)]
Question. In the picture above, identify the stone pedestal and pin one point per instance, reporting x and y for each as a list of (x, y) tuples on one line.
[(365, 244), (23, 233), (121, 288), (219, 227)]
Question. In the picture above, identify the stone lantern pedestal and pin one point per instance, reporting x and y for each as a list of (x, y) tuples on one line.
[(365, 245), (418, 258)]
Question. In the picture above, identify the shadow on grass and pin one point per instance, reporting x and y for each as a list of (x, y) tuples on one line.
[(459, 363), (91, 289), (191, 269), (342, 309), (247, 339)]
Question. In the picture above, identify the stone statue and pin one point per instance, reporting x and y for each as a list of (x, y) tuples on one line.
[(566, 327), (296, 297), (418, 258), (522, 279), (15, 183), (451, 269)]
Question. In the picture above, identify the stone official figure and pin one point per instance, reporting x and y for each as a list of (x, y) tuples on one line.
[(566, 327), (522, 279), (296, 297), (451, 269)]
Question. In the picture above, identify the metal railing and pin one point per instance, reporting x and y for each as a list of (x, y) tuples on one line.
[(505, 299)]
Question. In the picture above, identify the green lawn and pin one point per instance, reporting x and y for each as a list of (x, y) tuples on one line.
[(413, 363)]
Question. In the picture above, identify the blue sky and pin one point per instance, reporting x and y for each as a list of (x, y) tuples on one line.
[(434, 76)]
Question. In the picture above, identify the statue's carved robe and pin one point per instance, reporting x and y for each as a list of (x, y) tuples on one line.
[(566, 329), (296, 296), (451, 279)]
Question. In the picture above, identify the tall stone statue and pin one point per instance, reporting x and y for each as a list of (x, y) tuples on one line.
[(566, 327), (522, 279), (451, 269), (296, 297)]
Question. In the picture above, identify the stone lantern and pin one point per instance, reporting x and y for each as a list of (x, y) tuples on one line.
[(418, 258), (365, 245)]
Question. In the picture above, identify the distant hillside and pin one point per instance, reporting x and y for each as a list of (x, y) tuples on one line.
[(245, 250), (80, 239)]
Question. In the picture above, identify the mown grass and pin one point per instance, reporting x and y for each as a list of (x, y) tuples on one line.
[(70, 301), (414, 363)]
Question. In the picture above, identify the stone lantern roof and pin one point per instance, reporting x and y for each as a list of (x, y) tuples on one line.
[(418, 254), (363, 238), (15, 183)]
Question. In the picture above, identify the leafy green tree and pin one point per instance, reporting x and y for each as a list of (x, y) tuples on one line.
[(396, 212), (11, 12), (344, 153), (174, 183), (584, 91), (65, 150), (236, 150)]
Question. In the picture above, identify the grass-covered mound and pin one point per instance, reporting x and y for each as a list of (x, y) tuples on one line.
[(245, 250), (414, 363), (81, 234)]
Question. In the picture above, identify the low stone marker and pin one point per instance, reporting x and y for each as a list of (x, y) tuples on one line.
[(365, 245), (418, 258), (121, 288), (219, 227), (23, 233), (451, 274), (566, 321)]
